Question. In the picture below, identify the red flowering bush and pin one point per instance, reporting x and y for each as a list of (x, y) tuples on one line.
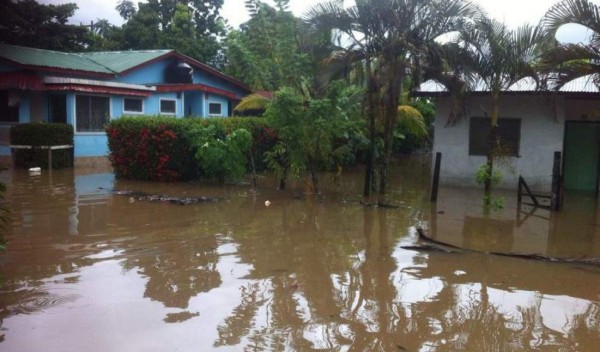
[(151, 148)]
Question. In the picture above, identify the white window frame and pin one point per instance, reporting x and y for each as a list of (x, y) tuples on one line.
[(110, 109), (134, 112), (214, 102), (167, 113)]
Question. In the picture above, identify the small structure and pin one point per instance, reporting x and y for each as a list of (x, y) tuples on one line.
[(88, 89), (533, 125)]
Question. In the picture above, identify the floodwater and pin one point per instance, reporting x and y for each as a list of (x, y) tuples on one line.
[(90, 270)]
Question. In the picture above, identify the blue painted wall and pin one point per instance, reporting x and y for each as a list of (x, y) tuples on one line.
[(213, 98), (149, 74), (194, 101), (203, 77)]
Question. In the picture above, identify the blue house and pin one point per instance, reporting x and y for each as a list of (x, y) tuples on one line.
[(88, 89)]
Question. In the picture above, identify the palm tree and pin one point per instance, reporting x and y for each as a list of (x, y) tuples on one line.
[(389, 39), (572, 61), (493, 58)]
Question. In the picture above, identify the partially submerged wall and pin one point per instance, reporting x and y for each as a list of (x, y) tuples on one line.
[(542, 129)]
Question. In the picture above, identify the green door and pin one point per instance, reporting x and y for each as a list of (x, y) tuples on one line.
[(582, 154)]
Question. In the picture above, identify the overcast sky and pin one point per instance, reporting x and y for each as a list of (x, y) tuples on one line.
[(512, 12)]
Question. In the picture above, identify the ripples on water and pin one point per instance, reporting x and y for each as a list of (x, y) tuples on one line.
[(90, 270)]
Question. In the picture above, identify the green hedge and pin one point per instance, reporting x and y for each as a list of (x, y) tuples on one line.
[(161, 148), (42, 134)]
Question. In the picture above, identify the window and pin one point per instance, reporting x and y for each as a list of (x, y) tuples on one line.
[(133, 106), (214, 109), (9, 106), (167, 106), (508, 132), (57, 108), (92, 113)]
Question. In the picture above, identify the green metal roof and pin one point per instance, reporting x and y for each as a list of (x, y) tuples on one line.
[(119, 61), (49, 58), (108, 62)]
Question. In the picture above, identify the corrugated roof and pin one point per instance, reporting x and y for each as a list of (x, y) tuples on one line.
[(579, 85), (109, 62), (119, 61), (50, 58)]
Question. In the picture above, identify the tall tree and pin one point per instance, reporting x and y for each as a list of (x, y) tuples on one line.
[(41, 26), (126, 9), (267, 52), (192, 27), (493, 58), (390, 38), (571, 61), (143, 29)]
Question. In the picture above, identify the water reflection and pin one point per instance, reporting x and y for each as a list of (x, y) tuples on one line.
[(87, 269)]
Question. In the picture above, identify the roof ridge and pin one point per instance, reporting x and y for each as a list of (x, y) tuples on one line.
[(99, 64), (39, 49), (127, 51)]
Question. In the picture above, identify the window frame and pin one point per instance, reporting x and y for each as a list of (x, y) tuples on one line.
[(174, 100), (133, 112), (473, 149), (75, 127), (216, 103)]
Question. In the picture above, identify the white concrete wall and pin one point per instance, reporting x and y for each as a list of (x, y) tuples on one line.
[(542, 129)]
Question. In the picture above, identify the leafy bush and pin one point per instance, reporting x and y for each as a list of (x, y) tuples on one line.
[(222, 155), (264, 137), (42, 134)]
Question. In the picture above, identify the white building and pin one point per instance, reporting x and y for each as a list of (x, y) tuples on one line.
[(533, 124)]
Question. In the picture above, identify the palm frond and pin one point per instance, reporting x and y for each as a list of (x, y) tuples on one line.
[(412, 120), (255, 101), (580, 12)]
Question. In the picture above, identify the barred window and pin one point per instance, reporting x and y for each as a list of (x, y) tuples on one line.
[(508, 132), (214, 109), (133, 105), (92, 113), (168, 106)]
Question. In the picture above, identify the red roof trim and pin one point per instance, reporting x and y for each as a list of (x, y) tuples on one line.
[(200, 87), (97, 90), (20, 81)]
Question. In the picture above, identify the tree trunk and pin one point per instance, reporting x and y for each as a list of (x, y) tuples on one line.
[(371, 113), (493, 140), (391, 114), (315, 182)]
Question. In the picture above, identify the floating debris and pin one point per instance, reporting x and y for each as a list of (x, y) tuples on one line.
[(35, 171), (140, 196), (533, 256)]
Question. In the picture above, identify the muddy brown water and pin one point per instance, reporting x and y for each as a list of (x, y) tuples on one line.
[(89, 270)]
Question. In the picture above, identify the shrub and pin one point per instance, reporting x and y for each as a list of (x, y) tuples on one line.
[(222, 156), (151, 148), (42, 134), (264, 137)]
